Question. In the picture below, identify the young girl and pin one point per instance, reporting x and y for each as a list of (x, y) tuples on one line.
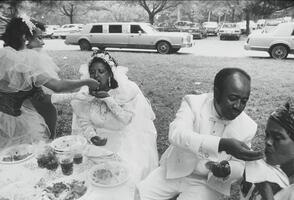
[(21, 78)]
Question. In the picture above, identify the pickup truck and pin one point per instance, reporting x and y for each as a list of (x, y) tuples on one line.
[(129, 35)]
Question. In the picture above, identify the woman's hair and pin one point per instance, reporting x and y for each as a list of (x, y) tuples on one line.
[(113, 82), (285, 117), (14, 32)]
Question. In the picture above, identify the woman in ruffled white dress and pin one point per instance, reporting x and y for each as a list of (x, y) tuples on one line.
[(119, 114), (21, 78)]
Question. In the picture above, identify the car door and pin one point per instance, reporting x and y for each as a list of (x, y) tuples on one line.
[(96, 35), (116, 36), (138, 38)]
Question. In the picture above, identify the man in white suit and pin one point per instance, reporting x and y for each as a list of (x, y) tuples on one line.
[(210, 139)]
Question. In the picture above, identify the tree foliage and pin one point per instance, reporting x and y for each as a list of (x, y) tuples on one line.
[(153, 7)]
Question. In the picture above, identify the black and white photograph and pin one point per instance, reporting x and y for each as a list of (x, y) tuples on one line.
[(147, 100)]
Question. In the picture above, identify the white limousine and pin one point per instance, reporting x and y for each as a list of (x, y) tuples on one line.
[(129, 35)]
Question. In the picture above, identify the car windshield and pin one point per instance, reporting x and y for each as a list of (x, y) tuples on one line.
[(284, 29), (148, 28), (229, 25)]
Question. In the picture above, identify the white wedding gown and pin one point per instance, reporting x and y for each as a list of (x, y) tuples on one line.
[(125, 119)]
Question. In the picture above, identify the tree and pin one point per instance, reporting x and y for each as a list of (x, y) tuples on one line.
[(72, 9), (12, 7), (155, 7)]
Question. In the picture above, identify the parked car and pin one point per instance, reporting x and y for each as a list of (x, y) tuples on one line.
[(229, 30), (67, 29), (183, 24), (129, 35), (211, 27), (242, 26), (198, 31), (167, 28), (50, 29), (279, 42)]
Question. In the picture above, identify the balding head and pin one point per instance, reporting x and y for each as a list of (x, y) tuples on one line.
[(231, 92)]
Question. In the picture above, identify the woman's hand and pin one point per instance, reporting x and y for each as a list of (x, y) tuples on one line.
[(100, 94), (92, 84)]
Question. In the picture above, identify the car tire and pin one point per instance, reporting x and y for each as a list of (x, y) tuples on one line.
[(221, 37), (85, 45), (279, 51), (63, 37), (163, 47)]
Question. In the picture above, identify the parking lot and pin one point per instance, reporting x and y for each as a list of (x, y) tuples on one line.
[(210, 46)]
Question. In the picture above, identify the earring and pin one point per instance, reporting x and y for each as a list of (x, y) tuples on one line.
[(109, 82)]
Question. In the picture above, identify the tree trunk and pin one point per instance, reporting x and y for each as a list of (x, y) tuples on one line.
[(233, 15), (247, 21), (209, 16), (71, 19), (151, 18)]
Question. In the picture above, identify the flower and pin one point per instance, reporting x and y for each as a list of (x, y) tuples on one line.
[(106, 57), (26, 19)]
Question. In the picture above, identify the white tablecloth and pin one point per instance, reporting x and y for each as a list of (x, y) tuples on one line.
[(17, 178)]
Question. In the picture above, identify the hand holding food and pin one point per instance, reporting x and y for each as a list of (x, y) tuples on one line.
[(98, 141), (221, 169)]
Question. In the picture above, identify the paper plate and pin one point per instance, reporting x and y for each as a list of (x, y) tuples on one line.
[(67, 143), (67, 184), (93, 151), (109, 174), (24, 191), (16, 154)]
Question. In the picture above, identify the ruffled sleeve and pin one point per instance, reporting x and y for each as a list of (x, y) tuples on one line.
[(22, 70)]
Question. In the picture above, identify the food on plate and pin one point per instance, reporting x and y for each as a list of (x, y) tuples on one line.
[(17, 156), (103, 176), (65, 191), (109, 174), (17, 153)]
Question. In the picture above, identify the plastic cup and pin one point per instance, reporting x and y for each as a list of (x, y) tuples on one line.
[(66, 163)]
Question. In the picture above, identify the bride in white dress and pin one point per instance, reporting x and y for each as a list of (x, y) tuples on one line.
[(119, 114)]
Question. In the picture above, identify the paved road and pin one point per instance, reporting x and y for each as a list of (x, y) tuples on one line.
[(210, 46)]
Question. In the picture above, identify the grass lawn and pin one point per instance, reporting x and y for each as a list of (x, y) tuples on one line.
[(165, 79)]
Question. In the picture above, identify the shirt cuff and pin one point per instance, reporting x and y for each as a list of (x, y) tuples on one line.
[(209, 148)]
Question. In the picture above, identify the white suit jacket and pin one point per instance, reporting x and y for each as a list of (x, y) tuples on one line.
[(194, 136)]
